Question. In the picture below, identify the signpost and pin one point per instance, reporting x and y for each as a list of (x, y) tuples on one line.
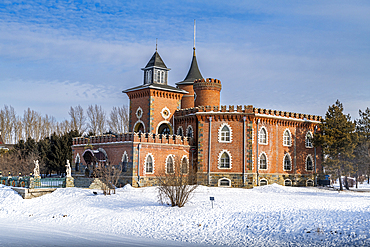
[(212, 199)]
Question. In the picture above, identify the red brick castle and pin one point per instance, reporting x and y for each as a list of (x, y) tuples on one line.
[(184, 127)]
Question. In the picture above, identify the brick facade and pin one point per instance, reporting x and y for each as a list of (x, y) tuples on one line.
[(240, 146)]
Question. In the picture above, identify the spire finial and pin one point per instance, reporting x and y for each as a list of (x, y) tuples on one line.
[(156, 44), (194, 35)]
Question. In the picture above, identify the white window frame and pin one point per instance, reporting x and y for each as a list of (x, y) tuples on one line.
[(290, 138), (219, 159), (182, 130), (173, 163), (308, 142), (220, 133), (192, 131), (123, 157), (187, 164), (291, 183), (259, 136), (137, 122), (259, 161), (290, 158), (309, 157), (219, 182), (145, 163), (264, 180)]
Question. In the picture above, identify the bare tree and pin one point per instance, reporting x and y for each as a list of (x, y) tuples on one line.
[(18, 129), (30, 119), (96, 116), (7, 118), (63, 127), (78, 118), (109, 174), (118, 122), (175, 185)]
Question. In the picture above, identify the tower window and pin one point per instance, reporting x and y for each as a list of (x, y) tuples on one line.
[(309, 140), (263, 136), (287, 163), (286, 138), (158, 76)]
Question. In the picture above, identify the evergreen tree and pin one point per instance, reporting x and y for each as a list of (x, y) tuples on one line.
[(362, 150), (338, 139)]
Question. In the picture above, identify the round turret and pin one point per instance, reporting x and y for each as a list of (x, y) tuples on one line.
[(207, 92)]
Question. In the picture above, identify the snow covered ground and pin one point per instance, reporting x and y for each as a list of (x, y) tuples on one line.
[(271, 215)]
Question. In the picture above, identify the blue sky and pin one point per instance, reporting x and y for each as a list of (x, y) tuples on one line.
[(298, 56)]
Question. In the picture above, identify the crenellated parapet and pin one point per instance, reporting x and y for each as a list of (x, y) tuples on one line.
[(132, 137), (287, 114)]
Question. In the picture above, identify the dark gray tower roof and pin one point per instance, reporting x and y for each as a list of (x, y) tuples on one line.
[(193, 73), (156, 61)]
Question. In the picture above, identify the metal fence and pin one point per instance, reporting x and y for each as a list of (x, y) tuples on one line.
[(36, 183), (50, 183)]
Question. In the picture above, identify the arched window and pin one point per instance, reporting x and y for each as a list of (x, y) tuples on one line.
[(263, 161), (224, 182), (184, 165), (162, 77), (149, 164), (287, 163), (309, 140), (164, 129), (77, 162), (158, 76), (309, 164), (225, 133), (124, 162), (150, 76), (169, 165), (189, 131), (263, 136), (180, 132), (287, 182), (310, 183), (224, 160), (286, 138), (263, 182), (139, 127)]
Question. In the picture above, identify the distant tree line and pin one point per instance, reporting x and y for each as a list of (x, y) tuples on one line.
[(345, 144), (42, 138), (33, 125)]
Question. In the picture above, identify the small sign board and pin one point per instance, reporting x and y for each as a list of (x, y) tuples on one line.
[(212, 198)]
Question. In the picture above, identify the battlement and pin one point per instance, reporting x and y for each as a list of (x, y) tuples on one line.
[(132, 137), (208, 80), (287, 114)]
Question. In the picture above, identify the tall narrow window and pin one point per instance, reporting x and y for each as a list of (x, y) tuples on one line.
[(286, 138), (263, 162), (149, 164), (189, 131), (309, 165), (77, 162), (309, 140), (287, 163), (124, 163), (224, 160), (225, 134), (169, 165), (184, 166), (150, 76), (158, 76), (263, 136)]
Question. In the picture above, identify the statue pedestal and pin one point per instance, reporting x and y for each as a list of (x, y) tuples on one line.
[(70, 182), (35, 182)]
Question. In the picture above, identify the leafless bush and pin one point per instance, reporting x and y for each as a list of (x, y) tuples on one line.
[(109, 175), (175, 187)]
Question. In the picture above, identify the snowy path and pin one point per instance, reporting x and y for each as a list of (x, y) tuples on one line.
[(267, 216)]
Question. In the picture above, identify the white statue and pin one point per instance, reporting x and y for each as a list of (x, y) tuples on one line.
[(36, 170), (68, 169)]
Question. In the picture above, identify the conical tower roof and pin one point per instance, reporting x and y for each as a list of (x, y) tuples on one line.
[(193, 73), (156, 61)]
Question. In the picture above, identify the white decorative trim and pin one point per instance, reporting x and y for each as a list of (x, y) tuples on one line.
[(124, 169), (310, 180), (306, 140), (291, 183), (267, 136), (192, 131), (123, 155), (305, 163), (187, 163), (290, 138), (146, 157), (219, 182), (267, 182), (138, 121), (219, 159), (219, 133), (182, 130), (259, 163), (162, 122), (164, 111), (139, 112), (290, 158), (77, 156), (173, 159)]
